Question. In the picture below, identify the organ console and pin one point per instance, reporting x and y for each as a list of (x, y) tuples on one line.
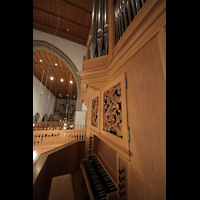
[(119, 99), (100, 185)]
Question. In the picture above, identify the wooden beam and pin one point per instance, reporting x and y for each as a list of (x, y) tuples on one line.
[(60, 33), (51, 67), (72, 4), (55, 15)]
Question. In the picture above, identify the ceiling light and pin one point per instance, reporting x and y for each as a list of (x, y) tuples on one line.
[(74, 96), (51, 78), (71, 81), (61, 79), (67, 30), (56, 64), (40, 60)]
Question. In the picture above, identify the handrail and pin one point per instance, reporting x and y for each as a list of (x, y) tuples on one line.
[(57, 137), (52, 123), (38, 126)]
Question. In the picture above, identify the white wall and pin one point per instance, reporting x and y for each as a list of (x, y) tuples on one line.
[(41, 103), (73, 50)]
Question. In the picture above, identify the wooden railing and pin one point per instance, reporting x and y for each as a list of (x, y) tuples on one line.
[(51, 125), (57, 137)]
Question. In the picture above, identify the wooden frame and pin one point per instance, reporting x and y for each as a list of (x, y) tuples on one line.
[(122, 142)]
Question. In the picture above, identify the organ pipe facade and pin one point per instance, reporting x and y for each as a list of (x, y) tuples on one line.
[(125, 12), (99, 29)]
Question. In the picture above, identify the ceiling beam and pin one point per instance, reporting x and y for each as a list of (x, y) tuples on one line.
[(60, 33), (55, 15), (72, 4), (51, 67)]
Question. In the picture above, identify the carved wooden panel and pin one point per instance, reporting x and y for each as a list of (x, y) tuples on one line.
[(112, 111), (94, 110)]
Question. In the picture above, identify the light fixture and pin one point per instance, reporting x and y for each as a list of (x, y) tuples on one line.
[(64, 127), (64, 124), (61, 79), (67, 30), (71, 81), (56, 64), (74, 96), (51, 78), (40, 60)]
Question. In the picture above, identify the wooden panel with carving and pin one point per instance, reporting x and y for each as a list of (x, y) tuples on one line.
[(112, 111), (94, 112), (113, 125)]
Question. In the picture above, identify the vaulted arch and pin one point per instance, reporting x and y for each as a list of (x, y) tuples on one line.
[(43, 45)]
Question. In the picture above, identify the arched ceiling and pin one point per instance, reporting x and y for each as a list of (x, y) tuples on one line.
[(60, 71)]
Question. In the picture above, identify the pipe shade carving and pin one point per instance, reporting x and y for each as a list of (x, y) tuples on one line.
[(94, 112), (112, 111)]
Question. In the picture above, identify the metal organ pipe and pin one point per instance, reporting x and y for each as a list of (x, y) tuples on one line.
[(105, 14), (125, 12), (93, 31), (99, 29)]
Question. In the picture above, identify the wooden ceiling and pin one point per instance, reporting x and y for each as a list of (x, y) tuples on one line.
[(58, 72), (76, 16)]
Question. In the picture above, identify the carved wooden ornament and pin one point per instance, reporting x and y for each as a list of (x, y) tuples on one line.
[(94, 110), (112, 111)]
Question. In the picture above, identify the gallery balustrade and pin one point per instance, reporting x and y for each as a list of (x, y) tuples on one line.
[(57, 137)]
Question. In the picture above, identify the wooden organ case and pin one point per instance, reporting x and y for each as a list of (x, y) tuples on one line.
[(125, 92)]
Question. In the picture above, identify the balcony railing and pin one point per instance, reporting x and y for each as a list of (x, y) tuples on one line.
[(57, 137), (46, 126)]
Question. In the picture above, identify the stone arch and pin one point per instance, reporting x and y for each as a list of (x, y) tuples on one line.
[(43, 45)]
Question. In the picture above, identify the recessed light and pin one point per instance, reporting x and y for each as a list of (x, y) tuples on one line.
[(51, 78), (61, 79), (56, 64), (71, 81), (40, 60)]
